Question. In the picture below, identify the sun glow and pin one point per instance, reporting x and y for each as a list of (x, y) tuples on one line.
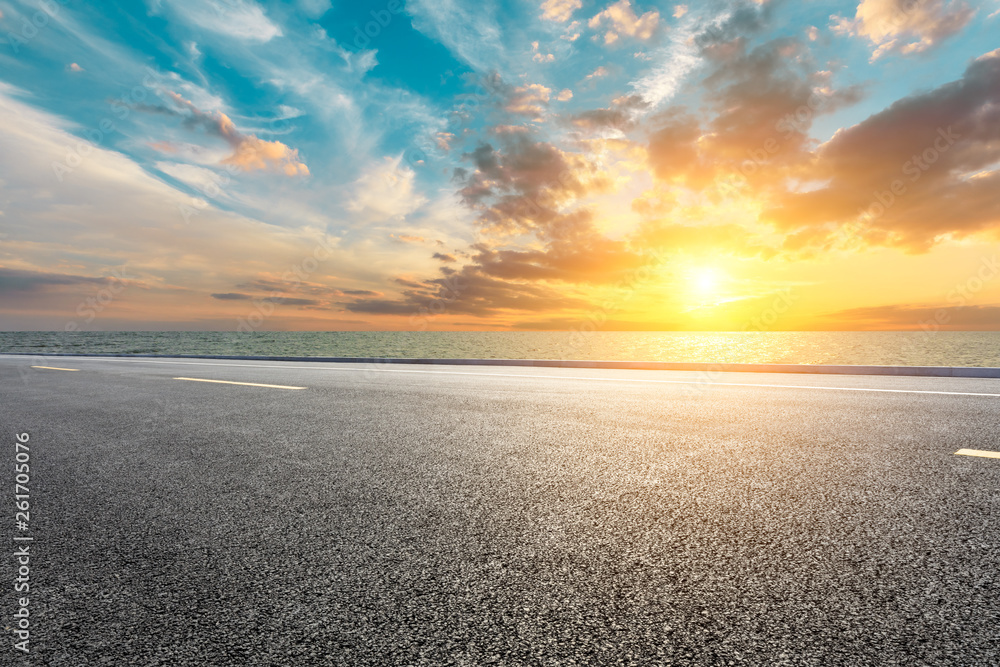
[(706, 281)]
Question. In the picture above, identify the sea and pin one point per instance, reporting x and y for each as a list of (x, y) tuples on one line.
[(893, 348)]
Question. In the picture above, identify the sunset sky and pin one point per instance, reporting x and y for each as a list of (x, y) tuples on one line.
[(442, 164)]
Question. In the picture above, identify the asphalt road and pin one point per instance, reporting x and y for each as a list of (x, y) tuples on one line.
[(408, 515)]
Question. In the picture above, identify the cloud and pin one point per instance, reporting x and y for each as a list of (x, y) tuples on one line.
[(560, 10), (406, 238), (620, 19), (444, 257), (315, 8), (241, 19), (249, 152), (73, 67), (469, 292), (231, 296), (529, 100), (173, 264), (751, 94), (598, 73), (290, 301), (20, 280), (522, 186), (910, 316), (619, 116), (386, 190), (565, 95), (529, 187), (941, 149), (471, 31), (907, 27), (540, 57)]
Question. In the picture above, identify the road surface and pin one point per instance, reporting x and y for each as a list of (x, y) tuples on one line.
[(402, 515)]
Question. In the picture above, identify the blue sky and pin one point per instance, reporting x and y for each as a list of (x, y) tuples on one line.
[(211, 146)]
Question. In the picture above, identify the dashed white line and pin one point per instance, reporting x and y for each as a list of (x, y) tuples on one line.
[(978, 452), (248, 384), (556, 377)]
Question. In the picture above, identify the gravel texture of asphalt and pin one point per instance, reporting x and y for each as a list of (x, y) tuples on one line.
[(368, 514)]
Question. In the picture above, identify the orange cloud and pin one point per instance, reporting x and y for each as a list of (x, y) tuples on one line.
[(250, 153), (920, 171), (529, 100), (621, 19)]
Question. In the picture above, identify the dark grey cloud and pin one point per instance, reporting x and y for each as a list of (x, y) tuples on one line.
[(231, 296), (19, 280)]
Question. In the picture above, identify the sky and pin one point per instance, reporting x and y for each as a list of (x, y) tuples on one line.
[(499, 165)]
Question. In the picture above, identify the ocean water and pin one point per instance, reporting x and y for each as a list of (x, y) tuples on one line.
[(959, 348)]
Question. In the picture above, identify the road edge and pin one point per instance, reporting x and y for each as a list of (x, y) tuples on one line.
[(816, 369)]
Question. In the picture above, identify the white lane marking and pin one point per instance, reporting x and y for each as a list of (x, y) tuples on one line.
[(978, 452), (554, 377), (53, 368), (248, 384)]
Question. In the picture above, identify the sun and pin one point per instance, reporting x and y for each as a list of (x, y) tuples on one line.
[(706, 280)]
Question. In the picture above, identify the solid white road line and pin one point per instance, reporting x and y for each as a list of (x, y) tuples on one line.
[(554, 377), (248, 384), (978, 452), (53, 368)]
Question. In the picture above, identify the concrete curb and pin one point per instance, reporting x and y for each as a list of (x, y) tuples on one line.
[(905, 371)]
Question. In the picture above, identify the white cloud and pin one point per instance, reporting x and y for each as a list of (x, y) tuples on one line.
[(241, 19), (315, 8), (904, 28), (470, 31), (560, 10), (386, 191), (676, 61)]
